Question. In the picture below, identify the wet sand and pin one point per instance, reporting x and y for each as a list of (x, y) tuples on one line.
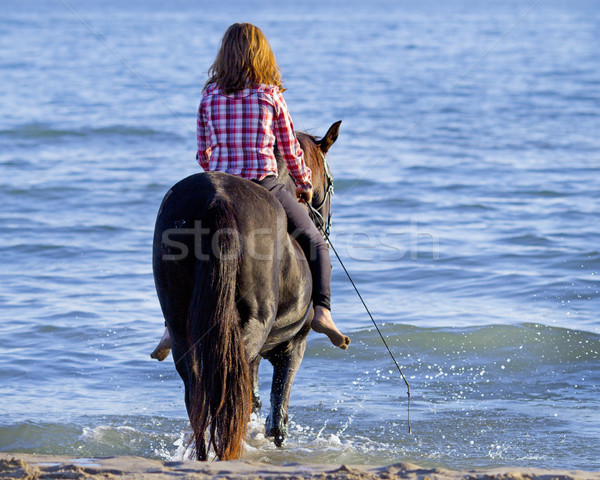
[(28, 466)]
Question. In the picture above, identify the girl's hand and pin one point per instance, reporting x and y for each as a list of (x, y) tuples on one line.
[(304, 195)]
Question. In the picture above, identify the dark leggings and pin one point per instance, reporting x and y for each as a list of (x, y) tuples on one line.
[(301, 227)]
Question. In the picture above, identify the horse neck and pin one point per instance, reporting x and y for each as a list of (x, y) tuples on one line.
[(284, 175), (286, 179)]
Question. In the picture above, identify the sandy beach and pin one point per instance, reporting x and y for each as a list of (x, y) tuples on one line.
[(28, 466)]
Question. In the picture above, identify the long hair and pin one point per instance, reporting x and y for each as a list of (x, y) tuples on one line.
[(244, 59), (221, 389)]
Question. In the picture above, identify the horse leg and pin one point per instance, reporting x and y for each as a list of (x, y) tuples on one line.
[(182, 366), (174, 283), (256, 402), (286, 359)]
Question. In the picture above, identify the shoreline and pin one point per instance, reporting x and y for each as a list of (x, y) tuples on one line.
[(31, 466)]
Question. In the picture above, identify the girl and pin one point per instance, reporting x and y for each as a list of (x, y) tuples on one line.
[(241, 115)]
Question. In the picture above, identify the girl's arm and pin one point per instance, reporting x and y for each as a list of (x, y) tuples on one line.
[(288, 144), (203, 153)]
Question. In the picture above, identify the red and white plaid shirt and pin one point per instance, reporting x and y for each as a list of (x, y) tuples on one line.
[(237, 134)]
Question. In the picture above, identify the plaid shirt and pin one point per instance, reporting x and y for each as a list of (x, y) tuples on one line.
[(237, 133)]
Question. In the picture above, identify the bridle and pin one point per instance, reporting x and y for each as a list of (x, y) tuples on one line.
[(324, 226)]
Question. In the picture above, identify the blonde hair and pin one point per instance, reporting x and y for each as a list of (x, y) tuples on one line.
[(244, 59)]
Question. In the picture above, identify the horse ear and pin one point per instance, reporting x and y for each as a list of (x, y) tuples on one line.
[(330, 137)]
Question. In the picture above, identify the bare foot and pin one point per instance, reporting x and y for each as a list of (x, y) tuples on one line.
[(323, 323), (163, 348)]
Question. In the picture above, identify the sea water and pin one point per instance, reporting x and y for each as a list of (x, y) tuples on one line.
[(466, 210)]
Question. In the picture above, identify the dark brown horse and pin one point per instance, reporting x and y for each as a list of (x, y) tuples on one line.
[(234, 286)]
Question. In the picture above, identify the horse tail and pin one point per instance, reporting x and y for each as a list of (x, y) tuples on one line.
[(220, 394)]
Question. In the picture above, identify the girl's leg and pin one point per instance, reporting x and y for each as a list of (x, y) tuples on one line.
[(301, 227), (323, 322), (163, 348)]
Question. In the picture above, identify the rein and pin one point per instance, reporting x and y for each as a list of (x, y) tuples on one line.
[(325, 227)]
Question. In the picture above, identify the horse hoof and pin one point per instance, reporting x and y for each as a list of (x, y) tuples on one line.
[(278, 440), (256, 405), (278, 435), (278, 432)]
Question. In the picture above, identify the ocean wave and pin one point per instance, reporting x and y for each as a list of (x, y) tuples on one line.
[(42, 131), (528, 344)]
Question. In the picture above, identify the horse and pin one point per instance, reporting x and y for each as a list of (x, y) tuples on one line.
[(234, 287)]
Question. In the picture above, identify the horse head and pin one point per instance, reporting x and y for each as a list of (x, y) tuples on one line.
[(315, 151)]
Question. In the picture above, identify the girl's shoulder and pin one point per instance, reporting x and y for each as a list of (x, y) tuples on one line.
[(210, 89), (260, 89), (272, 93), (270, 89), (264, 89)]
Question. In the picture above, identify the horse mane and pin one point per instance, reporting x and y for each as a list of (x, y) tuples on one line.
[(313, 159)]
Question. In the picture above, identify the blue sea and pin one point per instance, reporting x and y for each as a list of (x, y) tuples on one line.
[(466, 209)]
